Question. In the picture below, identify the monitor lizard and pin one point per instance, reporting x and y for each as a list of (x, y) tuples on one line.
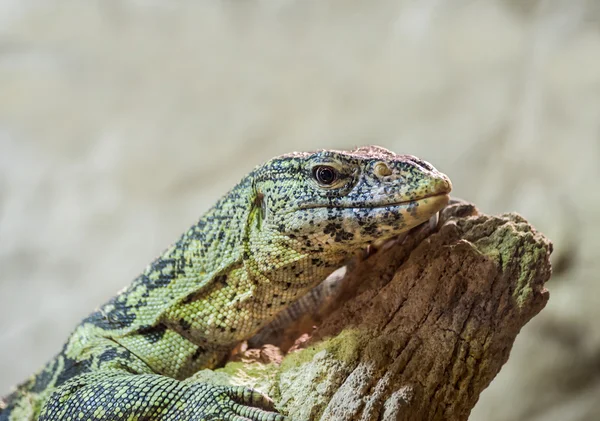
[(283, 229)]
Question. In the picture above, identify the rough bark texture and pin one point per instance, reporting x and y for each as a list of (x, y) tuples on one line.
[(432, 322)]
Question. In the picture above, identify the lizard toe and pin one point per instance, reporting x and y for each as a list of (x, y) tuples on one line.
[(250, 397), (252, 405), (256, 414)]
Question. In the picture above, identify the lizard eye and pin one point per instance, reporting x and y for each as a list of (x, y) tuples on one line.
[(325, 174)]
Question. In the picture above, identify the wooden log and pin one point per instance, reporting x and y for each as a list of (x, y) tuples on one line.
[(415, 331)]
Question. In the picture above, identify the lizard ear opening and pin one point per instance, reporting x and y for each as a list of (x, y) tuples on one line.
[(260, 204), (259, 207)]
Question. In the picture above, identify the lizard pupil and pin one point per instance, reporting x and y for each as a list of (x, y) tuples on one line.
[(325, 175)]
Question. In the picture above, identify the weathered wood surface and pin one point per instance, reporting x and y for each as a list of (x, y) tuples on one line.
[(416, 331)]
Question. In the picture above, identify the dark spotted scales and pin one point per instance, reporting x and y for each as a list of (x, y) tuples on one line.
[(284, 228)]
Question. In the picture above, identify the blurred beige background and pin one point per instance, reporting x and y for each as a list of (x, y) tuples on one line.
[(122, 121)]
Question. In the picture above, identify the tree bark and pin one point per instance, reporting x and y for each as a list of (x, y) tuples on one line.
[(415, 331)]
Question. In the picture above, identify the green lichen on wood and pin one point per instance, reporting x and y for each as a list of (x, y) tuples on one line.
[(343, 347)]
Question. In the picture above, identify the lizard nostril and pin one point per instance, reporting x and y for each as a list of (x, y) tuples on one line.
[(381, 169)]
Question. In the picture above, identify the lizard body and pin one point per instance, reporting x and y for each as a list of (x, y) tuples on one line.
[(284, 228)]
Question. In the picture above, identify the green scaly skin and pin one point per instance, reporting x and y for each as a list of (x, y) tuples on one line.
[(272, 238)]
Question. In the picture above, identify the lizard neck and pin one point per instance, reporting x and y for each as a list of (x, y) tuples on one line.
[(210, 247)]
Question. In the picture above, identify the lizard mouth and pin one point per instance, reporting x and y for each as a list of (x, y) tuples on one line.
[(404, 203), (433, 198)]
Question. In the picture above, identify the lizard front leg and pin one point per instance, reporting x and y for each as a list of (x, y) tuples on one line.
[(121, 396), (107, 381)]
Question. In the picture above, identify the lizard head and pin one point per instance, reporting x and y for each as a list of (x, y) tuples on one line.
[(338, 201)]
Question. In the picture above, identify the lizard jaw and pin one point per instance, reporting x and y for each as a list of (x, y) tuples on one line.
[(441, 197)]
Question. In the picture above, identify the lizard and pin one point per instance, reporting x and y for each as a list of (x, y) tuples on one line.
[(280, 231)]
